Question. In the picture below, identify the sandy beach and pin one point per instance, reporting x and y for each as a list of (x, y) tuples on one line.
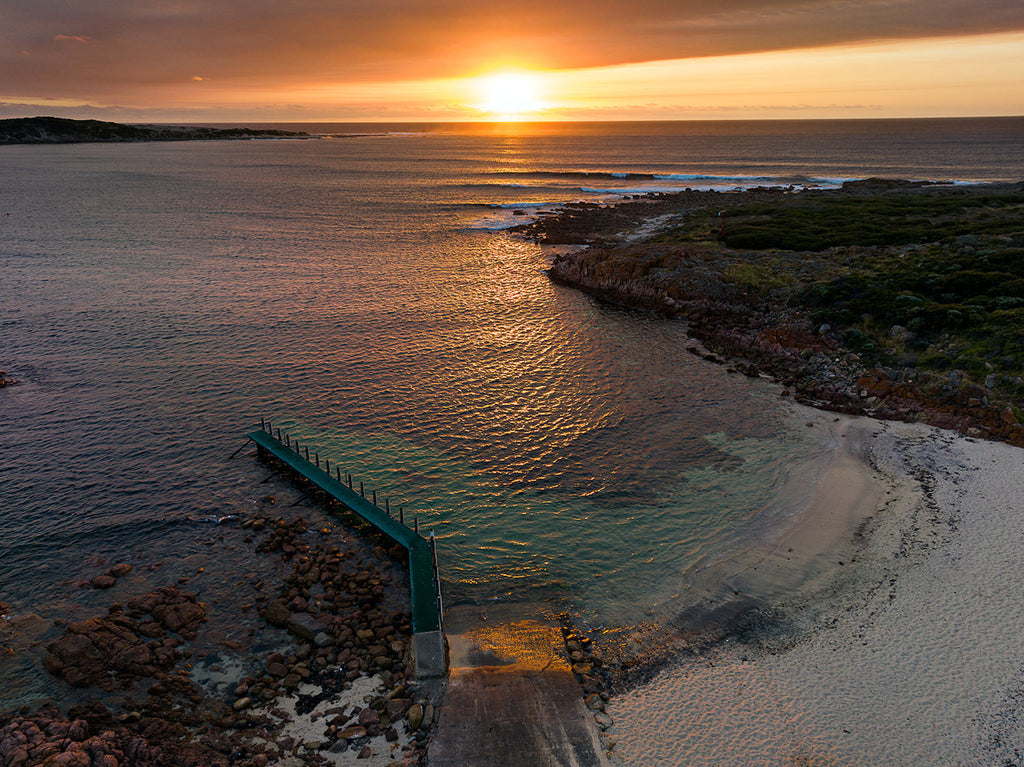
[(911, 656)]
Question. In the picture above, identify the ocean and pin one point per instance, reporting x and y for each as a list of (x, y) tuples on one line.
[(362, 292)]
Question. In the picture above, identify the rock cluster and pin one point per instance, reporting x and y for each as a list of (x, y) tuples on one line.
[(345, 625), (109, 578), (92, 737), (117, 649), (334, 605), (590, 672)]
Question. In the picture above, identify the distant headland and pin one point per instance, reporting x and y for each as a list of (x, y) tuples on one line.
[(59, 130)]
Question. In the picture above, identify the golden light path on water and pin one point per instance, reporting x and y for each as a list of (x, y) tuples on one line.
[(158, 299)]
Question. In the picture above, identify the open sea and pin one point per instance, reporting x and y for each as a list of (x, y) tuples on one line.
[(361, 291)]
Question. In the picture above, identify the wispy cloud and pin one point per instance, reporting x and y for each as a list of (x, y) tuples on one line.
[(137, 51)]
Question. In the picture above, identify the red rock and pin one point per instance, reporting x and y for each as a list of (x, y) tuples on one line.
[(79, 730), (368, 717), (70, 759), (278, 614), (95, 650), (102, 582), (119, 571), (396, 708)]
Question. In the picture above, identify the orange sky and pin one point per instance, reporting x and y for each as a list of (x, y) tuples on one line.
[(321, 60)]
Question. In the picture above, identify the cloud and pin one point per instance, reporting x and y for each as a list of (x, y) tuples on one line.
[(136, 49)]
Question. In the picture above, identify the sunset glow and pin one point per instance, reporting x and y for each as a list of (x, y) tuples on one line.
[(455, 62), (509, 95)]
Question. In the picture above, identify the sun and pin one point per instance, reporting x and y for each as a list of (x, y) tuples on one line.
[(509, 95)]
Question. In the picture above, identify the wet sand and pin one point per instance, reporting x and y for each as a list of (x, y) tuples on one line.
[(907, 653)]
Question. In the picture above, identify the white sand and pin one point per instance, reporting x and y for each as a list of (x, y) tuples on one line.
[(916, 656), (309, 728)]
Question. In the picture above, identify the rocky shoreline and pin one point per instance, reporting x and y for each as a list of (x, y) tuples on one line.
[(337, 685), (760, 330)]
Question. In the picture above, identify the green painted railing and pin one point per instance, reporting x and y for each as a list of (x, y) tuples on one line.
[(423, 579)]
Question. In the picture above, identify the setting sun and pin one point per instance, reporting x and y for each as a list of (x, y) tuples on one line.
[(509, 95)]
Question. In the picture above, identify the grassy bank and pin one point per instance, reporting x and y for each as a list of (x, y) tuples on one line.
[(919, 289)]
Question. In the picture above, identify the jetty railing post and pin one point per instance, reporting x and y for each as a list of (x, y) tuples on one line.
[(437, 581), (428, 641), (263, 426)]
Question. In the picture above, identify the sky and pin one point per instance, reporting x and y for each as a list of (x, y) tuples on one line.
[(426, 60)]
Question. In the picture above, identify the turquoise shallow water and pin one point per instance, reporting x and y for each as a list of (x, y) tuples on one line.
[(157, 300)]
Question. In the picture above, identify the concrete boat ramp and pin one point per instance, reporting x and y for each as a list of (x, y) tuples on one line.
[(511, 698)]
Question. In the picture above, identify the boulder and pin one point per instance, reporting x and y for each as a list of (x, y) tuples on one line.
[(278, 614), (368, 717), (414, 716), (304, 626), (102, 581), (396, 708)]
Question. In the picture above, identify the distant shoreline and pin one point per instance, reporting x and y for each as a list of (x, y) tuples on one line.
[(58, 130)]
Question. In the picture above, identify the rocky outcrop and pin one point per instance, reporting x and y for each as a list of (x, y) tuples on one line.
[(341, 617), (765, 335), (117, 649), (175, 611)]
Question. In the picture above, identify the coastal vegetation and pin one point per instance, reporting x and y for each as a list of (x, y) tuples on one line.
[(59, 130), (900, 299)]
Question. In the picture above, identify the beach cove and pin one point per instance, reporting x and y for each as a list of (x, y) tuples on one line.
[(914, 658), (575, 458), (893, 640)]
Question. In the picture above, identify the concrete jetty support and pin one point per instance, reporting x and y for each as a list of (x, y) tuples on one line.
[(429, 650)]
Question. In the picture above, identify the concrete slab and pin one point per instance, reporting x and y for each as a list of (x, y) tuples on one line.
[(428, 654), (512, 701)]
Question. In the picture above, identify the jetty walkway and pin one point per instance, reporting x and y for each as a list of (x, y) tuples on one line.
[(429, 656), (511, 699)]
